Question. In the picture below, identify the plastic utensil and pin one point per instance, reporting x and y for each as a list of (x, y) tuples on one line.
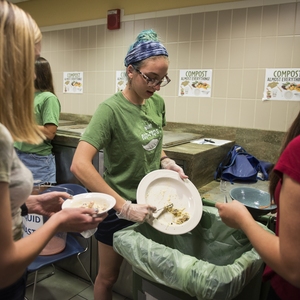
[(165, 207)]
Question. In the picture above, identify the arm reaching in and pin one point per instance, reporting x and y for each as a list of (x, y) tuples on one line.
[(281, 253), (84, 170), (46, 204)]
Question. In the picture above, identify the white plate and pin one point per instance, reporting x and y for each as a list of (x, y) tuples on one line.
[(104, 200), (162, 187)]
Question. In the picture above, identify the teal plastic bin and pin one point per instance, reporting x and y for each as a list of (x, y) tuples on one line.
[(212, 261)]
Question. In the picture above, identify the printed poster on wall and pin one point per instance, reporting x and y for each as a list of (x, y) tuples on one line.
[(195, 83), (73, 82), (282, 84), (121, 80)]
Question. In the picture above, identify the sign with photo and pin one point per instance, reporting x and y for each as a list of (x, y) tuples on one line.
[(73, 82), (121, 80), (282, 84), (195, 83)]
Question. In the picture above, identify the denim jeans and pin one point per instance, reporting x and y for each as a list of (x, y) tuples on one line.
[(42, 167)]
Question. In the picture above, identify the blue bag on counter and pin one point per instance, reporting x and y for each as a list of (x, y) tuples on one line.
[(239, 165)]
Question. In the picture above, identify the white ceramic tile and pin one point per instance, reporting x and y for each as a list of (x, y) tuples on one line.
[(235, 83), (239, 23), (278, 115), (238, 40), (249, 83), (223, 54), (252, 52), (254, 22), (219, 111), (247, 114), (262, 114), (269, 20), (173, 27), (224, 24), (284, 52), (197, 29), (205, 111), (210, 25), (184, 28), (233, 113), (286, 24)]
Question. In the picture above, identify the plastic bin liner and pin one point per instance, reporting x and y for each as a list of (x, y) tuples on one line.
[(213, 261)]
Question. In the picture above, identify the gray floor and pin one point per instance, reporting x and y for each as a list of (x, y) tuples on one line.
[(62, 286)]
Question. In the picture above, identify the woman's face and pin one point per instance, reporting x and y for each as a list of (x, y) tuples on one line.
[(156, 68), (37, 49)]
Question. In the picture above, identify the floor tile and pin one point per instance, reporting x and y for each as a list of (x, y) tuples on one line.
[(60, 286), (87, 293)]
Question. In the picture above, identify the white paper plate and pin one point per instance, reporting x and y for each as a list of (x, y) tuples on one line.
[(162, 187), (107, 201)]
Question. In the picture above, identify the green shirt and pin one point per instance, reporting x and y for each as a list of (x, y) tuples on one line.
[(131, 137), (47, 111)]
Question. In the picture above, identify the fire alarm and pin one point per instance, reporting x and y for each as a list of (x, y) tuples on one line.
[(113, 19)]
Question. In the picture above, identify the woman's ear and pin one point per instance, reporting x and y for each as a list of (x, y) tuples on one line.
[(129, 71)]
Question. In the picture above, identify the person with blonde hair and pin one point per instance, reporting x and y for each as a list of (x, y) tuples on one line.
[(128, 126), (20, 42)]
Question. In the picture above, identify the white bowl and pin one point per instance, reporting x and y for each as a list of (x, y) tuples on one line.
[(103, 202)]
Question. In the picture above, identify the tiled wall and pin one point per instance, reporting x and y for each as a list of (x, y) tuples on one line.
[(237, 41)]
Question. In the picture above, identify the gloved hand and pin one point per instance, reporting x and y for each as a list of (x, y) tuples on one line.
[(169, 164), (136, 212)]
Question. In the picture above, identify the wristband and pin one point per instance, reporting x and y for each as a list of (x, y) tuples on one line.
[(164, 157), (24, 210)]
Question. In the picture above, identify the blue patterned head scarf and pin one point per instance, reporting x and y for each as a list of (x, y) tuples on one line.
[(143, 48)]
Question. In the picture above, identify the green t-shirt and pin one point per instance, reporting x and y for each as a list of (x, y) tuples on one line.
[(131, 137), (47, 110)]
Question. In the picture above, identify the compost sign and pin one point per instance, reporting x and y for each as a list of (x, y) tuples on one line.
[(195, 83), (282, 84)]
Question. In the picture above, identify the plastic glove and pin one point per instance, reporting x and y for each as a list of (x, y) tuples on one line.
[(136, 212), (169, 164)]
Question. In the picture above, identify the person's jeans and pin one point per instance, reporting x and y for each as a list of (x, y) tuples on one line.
[(15, 291), (42, 167)]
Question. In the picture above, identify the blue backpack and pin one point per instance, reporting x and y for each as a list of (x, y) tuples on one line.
[(239, 165)]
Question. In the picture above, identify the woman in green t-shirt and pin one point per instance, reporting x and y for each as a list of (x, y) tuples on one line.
[(39, 158), (128, 127)]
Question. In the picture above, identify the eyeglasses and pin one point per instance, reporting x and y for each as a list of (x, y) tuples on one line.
[(154, 82)]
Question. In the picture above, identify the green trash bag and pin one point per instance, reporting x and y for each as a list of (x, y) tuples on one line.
[(213, 261)]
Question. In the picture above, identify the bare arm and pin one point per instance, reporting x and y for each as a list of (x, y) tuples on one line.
[(86, 173), (17, 255), (280, 253), (46, 204), (49, 130)]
